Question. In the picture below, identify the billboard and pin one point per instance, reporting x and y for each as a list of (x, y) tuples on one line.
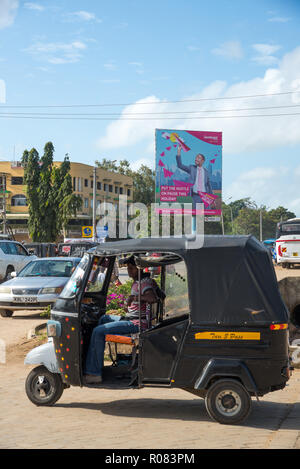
[(189, 169)]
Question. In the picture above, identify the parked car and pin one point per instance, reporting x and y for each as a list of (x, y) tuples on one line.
[(37, 285), (13, 257)]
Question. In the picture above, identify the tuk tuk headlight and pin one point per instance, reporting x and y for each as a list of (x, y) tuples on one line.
[(48, 290), (53, 329), (5, 290)]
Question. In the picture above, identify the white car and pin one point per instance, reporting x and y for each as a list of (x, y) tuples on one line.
[(13, 257), (37, 285)]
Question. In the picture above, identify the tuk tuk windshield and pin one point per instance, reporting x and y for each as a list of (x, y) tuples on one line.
[(71, 286)]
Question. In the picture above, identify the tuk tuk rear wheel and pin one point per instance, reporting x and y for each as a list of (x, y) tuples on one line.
[(228, 402), (43, 388)]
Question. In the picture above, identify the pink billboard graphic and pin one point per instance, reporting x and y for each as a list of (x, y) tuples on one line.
[(189, 170)]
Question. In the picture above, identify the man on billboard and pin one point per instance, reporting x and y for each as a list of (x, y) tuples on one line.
[(199, 176)]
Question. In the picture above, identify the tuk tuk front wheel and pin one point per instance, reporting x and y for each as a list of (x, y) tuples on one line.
[(43, 388), (228, 402)]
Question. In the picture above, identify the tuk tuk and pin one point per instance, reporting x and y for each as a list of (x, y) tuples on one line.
[(219, 332), (75, 248), (270, 244), (42, 249)]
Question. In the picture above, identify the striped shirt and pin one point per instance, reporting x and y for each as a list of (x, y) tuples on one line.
[(147, 283)]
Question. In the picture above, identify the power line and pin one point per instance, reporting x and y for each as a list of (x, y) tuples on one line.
[(144, 118), (151, 102), (147, 113)]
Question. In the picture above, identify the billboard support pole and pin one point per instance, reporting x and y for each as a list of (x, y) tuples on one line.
[(194, 224), (94, 203)]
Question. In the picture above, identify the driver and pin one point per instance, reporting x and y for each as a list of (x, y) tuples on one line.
[(110, 324)]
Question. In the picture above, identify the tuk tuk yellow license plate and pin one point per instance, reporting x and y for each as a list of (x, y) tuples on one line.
[(228, 335)]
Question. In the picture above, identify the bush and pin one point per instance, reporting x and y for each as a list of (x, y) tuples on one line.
[(116, 297), (46, 313)]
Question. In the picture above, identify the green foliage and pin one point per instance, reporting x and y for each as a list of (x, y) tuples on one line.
[(246, 218), (143, 179), (46, 313), (51, 202)]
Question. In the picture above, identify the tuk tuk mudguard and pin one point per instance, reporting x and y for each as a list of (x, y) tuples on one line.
[(43, 355), (229, 368)]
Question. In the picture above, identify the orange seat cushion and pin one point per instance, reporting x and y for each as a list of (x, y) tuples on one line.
[(118, 339)]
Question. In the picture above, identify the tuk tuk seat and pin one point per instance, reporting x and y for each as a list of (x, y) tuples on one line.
[(119, 339), (131, 340)]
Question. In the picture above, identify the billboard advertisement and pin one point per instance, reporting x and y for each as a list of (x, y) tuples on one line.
[(189, 169)]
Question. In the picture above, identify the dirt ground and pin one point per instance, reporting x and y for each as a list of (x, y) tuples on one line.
[(282, 273), (150, 418)]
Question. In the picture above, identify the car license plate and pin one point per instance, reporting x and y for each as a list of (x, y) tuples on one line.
[(25, 299), (295, 254)]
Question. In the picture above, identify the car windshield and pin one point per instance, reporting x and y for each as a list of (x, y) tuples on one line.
[(48, 268), (71, 286), (291, 227)]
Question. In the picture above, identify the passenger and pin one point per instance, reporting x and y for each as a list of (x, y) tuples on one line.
[(110, 324)]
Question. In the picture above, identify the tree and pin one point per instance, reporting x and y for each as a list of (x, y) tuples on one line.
[(51, 201), (248, 220), (143, 179)]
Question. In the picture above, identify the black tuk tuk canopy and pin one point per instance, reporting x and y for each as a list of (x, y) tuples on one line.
[(231, 279)]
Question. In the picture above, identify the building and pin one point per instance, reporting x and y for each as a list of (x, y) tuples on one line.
[(109, 186)]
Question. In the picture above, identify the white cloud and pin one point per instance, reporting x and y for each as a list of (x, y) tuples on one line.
[(57, 53), (110, 80), (122, 133), (82, 15), (110, 66), (138, 66), (135, 166), (266, 52), (8, 11), (279, 19), (240, 134), (266, 49), (259, 184), (193, 48), (229, 50), (34, 6)]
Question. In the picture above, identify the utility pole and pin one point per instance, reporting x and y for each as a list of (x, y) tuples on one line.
[(94, 203), (222, 223), (3, 205)]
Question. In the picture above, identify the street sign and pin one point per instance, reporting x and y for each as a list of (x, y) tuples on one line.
[(87, 231), (102, 231)]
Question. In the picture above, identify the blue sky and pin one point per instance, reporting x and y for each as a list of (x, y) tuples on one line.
[(146, 55)]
